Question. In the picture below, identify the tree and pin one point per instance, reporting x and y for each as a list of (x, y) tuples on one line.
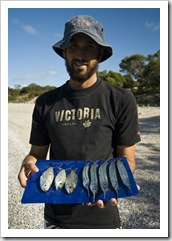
[(129, 82), (112, 77), (13, 93), (115, 78), (102, 74), (145, 70), (17, 86), (151, 73), (133, 65)]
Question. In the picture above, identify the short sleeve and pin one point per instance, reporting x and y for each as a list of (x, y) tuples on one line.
[(39, 134), (127, 129)]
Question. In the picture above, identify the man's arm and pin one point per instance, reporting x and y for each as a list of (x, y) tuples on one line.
[(129, 153), (28, 164)]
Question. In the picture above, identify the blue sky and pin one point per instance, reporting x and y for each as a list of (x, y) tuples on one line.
[(33, 31)]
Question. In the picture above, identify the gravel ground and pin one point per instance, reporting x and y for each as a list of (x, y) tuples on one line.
[(139, 212)]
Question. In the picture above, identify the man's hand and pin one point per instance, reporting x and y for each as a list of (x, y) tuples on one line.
[(102, 204), (25, 171), (29, 163)]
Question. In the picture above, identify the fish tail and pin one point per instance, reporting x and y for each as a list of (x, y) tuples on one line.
[(94, 196), (68, 168), (104, 194), (88, 192), (116, 194), (109, 159), (87, 162), (57, 168), (130, 189)]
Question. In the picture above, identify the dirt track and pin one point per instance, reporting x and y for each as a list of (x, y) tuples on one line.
[(140, 212)]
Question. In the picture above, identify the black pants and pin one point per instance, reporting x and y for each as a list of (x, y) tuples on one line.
[(48, 225)]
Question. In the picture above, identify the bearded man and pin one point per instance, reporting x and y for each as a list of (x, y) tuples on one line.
[(84, 119)]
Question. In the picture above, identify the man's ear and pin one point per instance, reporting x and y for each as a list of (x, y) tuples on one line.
[(101, 52)]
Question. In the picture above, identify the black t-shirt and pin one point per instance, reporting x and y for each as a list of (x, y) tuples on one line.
[(84, 124)]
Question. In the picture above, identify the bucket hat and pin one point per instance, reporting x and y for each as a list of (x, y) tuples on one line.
[(87, 25)]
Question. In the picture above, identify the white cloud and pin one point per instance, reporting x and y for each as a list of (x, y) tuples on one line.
[(37, 76), (31, 77), (51, 72), (26, 27), (152, 25), (29, 29), (15, 21)]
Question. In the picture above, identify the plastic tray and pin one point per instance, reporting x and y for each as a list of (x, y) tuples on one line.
[(34, 194)]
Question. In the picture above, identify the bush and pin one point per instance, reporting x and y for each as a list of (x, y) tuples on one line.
[(27, 93)]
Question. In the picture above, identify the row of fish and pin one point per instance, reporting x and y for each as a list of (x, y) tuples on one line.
[(61, 179), (105, 172), (93, 176)]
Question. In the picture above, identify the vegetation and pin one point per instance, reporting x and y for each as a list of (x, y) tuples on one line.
[(141, 77), (27, 93), (144, 70), (138, 73)]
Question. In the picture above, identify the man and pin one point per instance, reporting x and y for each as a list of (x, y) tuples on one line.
[(85, 119)]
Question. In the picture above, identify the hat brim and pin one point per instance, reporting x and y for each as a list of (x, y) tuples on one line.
[(62, 44)]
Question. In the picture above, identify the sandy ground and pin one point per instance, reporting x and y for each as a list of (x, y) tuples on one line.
[(139, 212)]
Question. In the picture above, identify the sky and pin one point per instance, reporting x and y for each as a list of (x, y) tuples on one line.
[(33, 31)]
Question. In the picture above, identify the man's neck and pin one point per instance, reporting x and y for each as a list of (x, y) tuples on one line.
[(79, 85)]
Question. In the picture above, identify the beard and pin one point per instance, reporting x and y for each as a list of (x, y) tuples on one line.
[(76, 74)]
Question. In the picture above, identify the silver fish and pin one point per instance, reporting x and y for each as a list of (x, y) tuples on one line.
[(71, 181), (123, 174), (60, 179), (85, 177), (103, 178), (46, 179), (113, 176), (94, 180)]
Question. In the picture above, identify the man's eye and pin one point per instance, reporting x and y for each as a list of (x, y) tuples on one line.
[(73, 46), (90, 47)]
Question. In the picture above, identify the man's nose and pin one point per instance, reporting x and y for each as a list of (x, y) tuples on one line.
[(81, 53)]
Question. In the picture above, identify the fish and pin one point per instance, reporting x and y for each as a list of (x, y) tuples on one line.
[(113, 176), (85, 178), (94, 180), (103, 178), (60, 179), (71, 182), (46, 179), (123, 174)]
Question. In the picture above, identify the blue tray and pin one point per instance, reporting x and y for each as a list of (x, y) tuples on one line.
[(34, 194)]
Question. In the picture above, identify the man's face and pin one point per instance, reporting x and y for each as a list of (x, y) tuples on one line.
[(82, 56)]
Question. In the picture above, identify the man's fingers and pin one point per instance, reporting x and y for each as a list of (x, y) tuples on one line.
[(31, 167), (25, 173), (113, 201), (22, 178), (91, 204), (100, 204)]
